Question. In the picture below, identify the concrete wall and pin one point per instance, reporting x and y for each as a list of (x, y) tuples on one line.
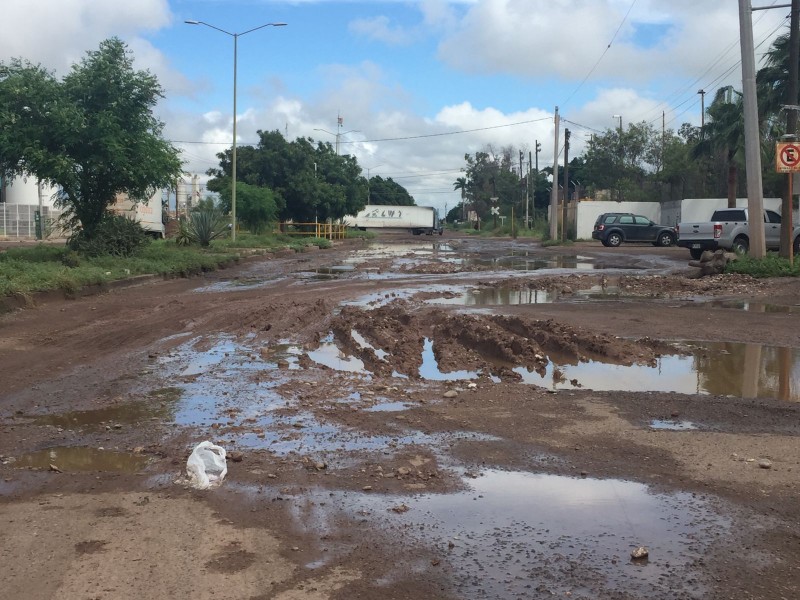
[(589, 210), (666, 213)]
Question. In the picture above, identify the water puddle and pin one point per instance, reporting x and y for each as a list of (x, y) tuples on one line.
[(719, 368), (135, 412), (751, 306), (503, 296), (329, 355), (672, 425), (531, 261), (521, 535), (389, 407), (430, 367), (81, 459)]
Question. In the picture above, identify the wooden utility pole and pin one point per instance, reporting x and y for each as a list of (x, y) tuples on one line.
[(554, 189), (791, 129)]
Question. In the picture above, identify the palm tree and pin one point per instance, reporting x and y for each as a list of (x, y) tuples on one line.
[(723, 135), (773, 79), (461, 184)]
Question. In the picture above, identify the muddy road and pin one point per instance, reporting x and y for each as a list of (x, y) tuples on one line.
[(408, 418)]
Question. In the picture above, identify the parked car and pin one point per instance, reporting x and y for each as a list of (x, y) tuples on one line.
[(614, 228)]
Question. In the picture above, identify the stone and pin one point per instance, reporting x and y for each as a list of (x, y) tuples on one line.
[(764, 464), (640, 553), (450, 394), (236, 456)]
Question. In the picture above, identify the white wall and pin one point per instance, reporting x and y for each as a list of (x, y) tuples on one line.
[(589, 210)]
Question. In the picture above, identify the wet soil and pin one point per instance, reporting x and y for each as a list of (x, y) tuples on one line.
[(408, 418)]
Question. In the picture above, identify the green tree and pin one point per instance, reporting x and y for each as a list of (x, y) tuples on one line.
[(723, 136), (255, 205), (92, 134), (387, 191)]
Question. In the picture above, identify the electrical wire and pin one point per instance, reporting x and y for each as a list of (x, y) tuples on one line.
[(589, 74)]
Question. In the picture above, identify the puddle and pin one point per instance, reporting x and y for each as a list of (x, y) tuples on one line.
[(499, 296), (389, 407), (760, 307), (530, 261), (78, 458), (331, 272), (135, 412), (672, 425), (329, 355), (365, 345), (430, 367), (521, 535), (720, 368)]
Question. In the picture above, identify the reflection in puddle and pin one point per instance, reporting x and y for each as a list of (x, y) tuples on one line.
[(430, 367), (751, 306), (329, 355), (530, 261), (77, 458), (719, 368), (672, 425), (499, 296), (520, 535), (135, 412)]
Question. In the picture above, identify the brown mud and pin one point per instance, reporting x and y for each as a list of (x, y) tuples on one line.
[(383, 442)]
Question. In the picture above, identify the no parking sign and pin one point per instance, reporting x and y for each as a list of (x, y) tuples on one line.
[(787, 157)]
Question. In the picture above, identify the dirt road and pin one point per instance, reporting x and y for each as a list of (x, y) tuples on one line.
[(408, 418)]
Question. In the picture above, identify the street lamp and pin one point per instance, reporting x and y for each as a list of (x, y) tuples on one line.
[(702, 93), (336, 135), (235, 37), (620, 122), (368, 178)]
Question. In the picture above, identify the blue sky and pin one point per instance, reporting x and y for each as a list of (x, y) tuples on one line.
[(492, 69)]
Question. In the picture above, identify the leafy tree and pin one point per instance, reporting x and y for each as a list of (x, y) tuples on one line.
[(92, 134), (255, 205), (387, 191), (723, 135)]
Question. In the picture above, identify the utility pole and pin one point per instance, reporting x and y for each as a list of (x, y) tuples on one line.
[(702, 111), (528, 192), (554, 189), (752, 139), (538, 149), (566, 187), (786, 250)]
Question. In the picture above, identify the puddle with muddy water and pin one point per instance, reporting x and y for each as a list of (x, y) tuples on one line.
[(719, 368), (503, 296), (79, 458), (523, 535)]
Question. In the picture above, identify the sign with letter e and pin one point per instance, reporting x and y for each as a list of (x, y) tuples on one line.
[(787, 157)]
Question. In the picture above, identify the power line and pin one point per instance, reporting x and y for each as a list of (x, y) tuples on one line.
[(614, 37)]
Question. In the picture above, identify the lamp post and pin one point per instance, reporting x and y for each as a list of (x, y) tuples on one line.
[(337, 135), (702, 93), (621, 157), (368, 178), (235, 37)]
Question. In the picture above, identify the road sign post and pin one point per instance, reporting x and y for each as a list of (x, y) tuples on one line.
[(787, 160)]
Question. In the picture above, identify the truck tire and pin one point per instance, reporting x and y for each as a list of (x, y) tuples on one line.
[(614, 239), (665, 239), (696, 253), (741, 245), (796, 246)]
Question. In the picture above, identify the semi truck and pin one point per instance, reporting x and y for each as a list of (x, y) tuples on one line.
[(416, 219), (147, 215)]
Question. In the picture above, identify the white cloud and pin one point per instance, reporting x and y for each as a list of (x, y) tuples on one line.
[(58, 33), (380, 29)]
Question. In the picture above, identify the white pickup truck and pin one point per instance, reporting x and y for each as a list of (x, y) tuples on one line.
[(728, 229)]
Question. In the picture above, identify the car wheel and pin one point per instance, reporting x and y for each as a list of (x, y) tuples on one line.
[(614, 239), (696, 253), (665, 239), (797, 245), (741, 245)]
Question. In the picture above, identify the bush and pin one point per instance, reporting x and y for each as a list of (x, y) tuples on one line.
[(115, 235), (772, 265), (204, 226)]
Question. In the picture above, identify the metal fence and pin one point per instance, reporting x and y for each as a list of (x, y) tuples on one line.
[(19, 220)]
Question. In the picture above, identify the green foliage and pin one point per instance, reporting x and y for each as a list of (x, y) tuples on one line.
[(114, 235), (256, 208), (92, 134), (773, 265), (388, 192)]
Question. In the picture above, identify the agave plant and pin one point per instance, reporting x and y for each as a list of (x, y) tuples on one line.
[(206, 225)]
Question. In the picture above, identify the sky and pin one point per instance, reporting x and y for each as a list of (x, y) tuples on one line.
[(417, 83)]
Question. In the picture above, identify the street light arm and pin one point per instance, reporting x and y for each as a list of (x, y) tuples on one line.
[(262, 27), (211, 26)]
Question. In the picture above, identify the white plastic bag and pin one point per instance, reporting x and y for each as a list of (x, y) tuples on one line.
[(206, 466)]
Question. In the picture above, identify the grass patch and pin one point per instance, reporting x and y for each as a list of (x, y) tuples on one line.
[(771, 265)]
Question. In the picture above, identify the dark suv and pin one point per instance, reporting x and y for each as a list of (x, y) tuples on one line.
[(614, 228)]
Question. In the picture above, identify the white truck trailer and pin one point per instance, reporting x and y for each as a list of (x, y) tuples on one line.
[(147, 215), (416, 219)]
